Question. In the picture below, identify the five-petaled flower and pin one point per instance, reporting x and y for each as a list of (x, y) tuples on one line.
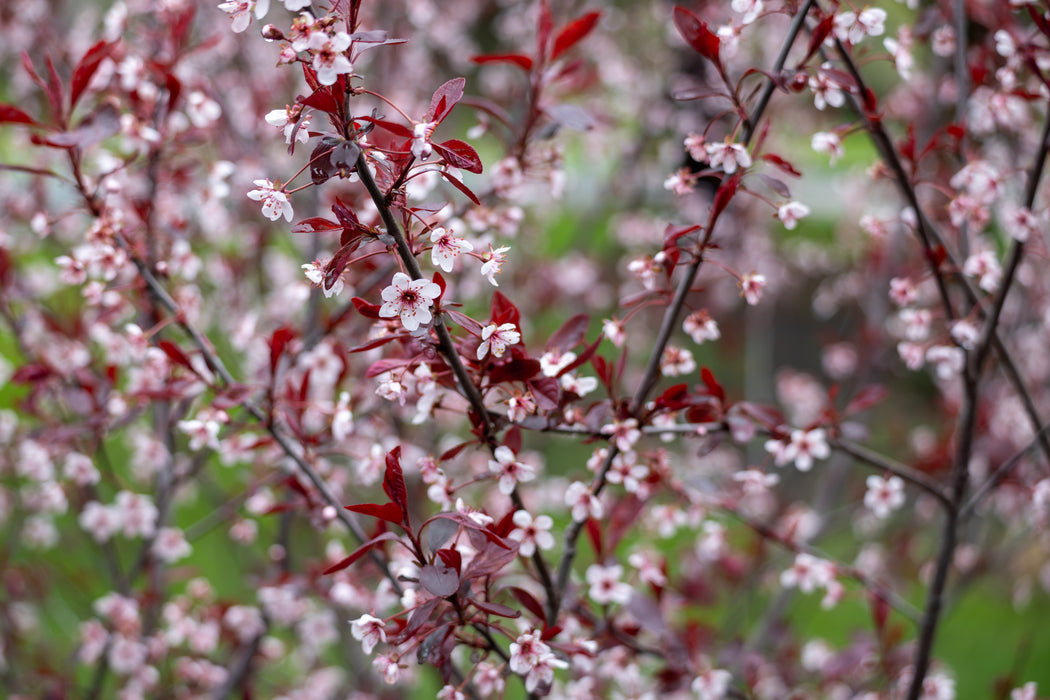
[(509, 469), (884, 495), (241, 11), (531, 532), (410, 299), (494, 260), (751, 286), (606, 586), (369, 631), (329, 57), (790, 213), (446, 248), (729, 156), (497, 338), (275, 202)]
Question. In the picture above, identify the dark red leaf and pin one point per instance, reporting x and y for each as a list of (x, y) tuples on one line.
[(781, 164), (513, 439), (453, 451), (278, 341), (495, 609), (696, 33), (723, 195), (818, 35), (458, 184), (316, 224), (546, 391), (544, 29), (466, 322), (176, 355), (394, 481), (97, 126), (359, 552), (674, 398), (9, 114), (393, 127), (490, 559), (452, 558), (442, 582), (86, 69), (366, 309), (712, 384), (471, 524), (530, 603), (390, 512), (504, 311), (570, 334), (386, 365), (516, 370), (459, 154), (776, 184), (584, 356), (866, 398), (573, 32), (378, 342), (445, 98), (550, 633), (520, 60), (594, 534)]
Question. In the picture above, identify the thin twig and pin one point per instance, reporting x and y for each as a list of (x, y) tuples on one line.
[(669, 323)]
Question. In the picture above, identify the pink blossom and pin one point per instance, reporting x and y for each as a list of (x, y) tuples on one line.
[(728, 156), (329, 58), (315, 273), (553, 362), (532, 532), (242, 10), (369, 631), (606, 586), (750, 9), (497, 338), (648, 568), (825, 90), (624, 433), (712, 685), (676, 361), (612, 328), (446, 248), (421, 132), (170, 545), (807, 573), (884, 495), (701, 327), (450, 692), (275, 202), (790, 213), (388, 668), (509, 469), (526, 651), (584, 504), (494, 260), (751, 286), (805, 446), (410, 299), (829, 143)]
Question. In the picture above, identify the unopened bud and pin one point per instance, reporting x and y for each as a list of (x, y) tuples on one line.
[(270, 32)]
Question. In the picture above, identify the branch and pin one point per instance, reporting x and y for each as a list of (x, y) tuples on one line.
[(913, 476), (445, 343), (670, 321)]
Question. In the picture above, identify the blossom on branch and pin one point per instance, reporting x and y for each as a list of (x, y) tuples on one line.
[(497, 338), (275, 202), (410, 300)]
